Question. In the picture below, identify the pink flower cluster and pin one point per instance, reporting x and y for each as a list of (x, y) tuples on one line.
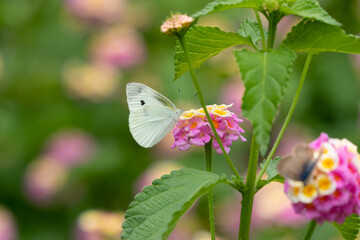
[(193, 128), (333, 193)]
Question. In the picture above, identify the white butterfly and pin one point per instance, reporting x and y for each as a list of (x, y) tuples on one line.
[(152, 115)]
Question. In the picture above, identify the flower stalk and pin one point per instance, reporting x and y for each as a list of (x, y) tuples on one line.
[(261, 29), (248, 195), (273, 21), (203, 105), (310, 230), (208, 155)]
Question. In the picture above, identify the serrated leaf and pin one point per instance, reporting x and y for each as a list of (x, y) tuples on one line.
[(350, 228), (307, 9), (266, 76), (203, 43), (250, 29), (316, 37), (272, 174), (271, 170), (154, 212), (221, 5)]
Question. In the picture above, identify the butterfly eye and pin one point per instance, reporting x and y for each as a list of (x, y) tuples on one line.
[(142, 102)]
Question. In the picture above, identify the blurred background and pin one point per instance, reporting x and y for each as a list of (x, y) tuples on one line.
[(68, 164)]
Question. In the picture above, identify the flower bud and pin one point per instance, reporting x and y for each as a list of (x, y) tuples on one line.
[(176, 24)]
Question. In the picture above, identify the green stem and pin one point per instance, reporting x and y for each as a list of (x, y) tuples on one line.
[(288, 117), (248, 195), (310, 230), (261, 29), (272, 30), (203, 105), (208, 155)]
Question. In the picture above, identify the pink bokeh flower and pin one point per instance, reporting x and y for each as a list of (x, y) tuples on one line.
[(233, 92), (99, 225), (193, 128), (71, 147), (7, 225), (153, 172), (333, 192), (96, 11), (276, 210), (356, 60), (43, 180), (118, 47), (93, 82)]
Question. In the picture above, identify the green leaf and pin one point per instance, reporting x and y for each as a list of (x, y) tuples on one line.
[(221, 5), (307, 9), (154, 212), (262, 183), (272, 174), (316, 37), (266, 76), (203, 43), (250, 30), (271, 170), (350, 228)]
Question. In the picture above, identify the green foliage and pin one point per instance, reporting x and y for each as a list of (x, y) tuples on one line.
[(307, 9), (250, 29), (238, 183), (266, 76), (155, 211), (221, 5), (203, 43), (350, 228), (271, 170), (316, 37), (272, 174)]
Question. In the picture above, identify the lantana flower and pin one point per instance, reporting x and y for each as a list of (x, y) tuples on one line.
[(333, 192), (193, 128), (177, 23)]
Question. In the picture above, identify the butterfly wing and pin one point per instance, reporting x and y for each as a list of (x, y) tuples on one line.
[(288, 167), (299, 165), (152, 115), (139, 95)]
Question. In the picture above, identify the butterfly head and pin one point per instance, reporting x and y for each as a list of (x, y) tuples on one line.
[(179, 112)]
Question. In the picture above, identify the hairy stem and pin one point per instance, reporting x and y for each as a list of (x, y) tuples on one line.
[(203, 105), (273, 21), (288, 117), (208, 155), (261, 29), (310, 230), (248, 195)]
